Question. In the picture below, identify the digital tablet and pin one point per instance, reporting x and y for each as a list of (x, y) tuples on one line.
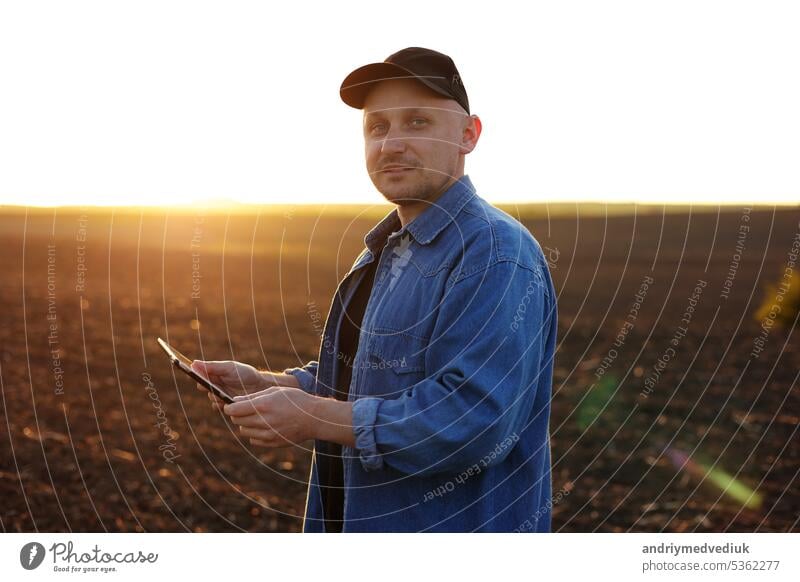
[(184, 364)]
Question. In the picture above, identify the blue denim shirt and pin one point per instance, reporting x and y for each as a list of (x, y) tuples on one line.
[(452, 378)]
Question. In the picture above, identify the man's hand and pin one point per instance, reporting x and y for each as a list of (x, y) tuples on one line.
[(237, 378), (279, 416)]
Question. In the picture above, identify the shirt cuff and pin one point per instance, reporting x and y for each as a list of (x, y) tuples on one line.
[(365, 411), (306, 379)]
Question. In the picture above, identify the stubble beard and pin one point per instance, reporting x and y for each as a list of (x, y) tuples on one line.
[(424, 189)]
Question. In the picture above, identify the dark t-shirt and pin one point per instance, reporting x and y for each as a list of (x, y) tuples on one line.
[(333, 470)]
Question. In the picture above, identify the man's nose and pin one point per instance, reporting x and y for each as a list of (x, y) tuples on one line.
[(393, 143)]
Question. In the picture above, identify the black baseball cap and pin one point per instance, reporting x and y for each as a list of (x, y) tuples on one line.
[(435, 70)]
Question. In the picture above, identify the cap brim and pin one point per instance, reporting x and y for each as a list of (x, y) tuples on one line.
[(357, 84)]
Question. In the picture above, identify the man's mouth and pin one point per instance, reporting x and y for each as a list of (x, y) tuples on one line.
[(396, 169)]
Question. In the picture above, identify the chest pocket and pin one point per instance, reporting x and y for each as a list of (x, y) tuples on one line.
[(395, 361)]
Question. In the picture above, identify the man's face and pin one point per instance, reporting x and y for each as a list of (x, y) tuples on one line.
[(413, 139)]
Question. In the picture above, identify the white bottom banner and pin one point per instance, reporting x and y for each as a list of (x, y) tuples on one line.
[(390, 557)]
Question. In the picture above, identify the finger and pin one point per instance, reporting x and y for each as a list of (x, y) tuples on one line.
[(199, 366), (273, 442), (257, 433), (258, 394), (242, 407), (215, 400), (261, 443), (212, 368), (251, 420), (202, 387)]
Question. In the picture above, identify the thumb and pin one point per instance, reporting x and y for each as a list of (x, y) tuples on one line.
[(203, 366), (258, 394)]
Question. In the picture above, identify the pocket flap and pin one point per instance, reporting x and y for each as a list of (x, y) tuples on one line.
[(400, 352)]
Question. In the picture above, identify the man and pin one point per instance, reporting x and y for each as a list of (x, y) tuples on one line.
[(429, 403)]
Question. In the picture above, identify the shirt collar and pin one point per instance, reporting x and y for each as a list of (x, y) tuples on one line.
[(429, 223)]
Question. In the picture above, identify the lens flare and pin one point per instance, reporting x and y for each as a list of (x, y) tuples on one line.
[(724, 481), (596, 402)]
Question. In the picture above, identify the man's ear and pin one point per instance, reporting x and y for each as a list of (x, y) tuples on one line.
[(471, 134)]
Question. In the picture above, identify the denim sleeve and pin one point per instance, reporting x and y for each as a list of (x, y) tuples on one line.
[(483, 363), (306, 376)]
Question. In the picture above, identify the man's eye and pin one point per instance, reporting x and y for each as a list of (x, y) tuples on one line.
[(377, 128), (418, 122)]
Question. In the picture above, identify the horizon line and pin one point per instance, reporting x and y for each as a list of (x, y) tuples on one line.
[(241, 205)]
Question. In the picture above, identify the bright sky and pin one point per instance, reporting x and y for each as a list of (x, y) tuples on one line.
[(152, 102)]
